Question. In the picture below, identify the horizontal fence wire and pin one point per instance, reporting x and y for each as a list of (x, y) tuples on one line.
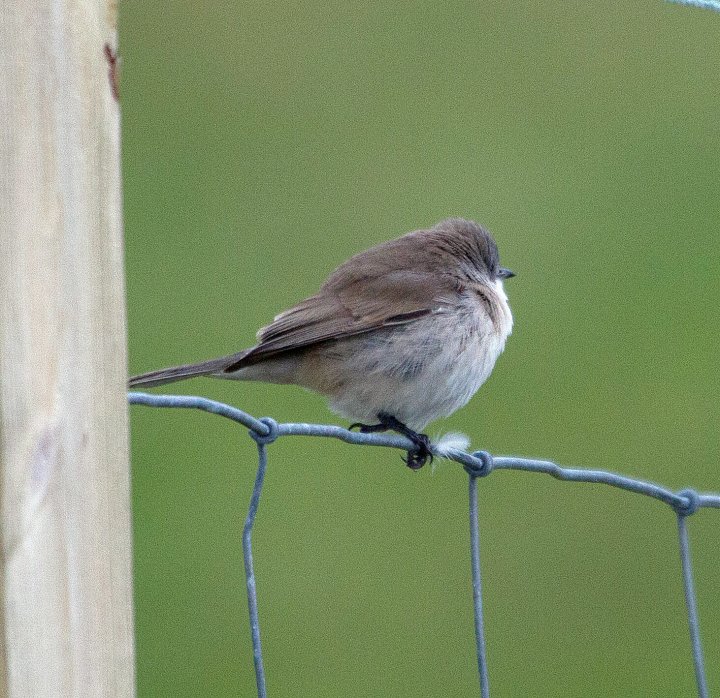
[(704, 4), (478, 464)]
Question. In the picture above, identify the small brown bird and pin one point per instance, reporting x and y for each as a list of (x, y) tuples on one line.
[(397, 336)]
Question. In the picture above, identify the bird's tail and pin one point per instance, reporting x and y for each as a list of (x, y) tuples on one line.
[(179, 373)]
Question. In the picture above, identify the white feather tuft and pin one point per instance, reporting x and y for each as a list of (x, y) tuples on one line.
[(452, 441)]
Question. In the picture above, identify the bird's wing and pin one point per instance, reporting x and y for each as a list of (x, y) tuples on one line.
[(344, 310)]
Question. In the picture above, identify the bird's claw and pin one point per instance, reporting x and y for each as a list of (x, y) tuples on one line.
[(367, 428), (418, 456)]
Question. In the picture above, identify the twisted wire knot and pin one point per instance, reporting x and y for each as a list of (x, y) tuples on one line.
[(481, 469), (689, 507), (272, 435)]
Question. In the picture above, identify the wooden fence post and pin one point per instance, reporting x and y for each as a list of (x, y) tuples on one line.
[(66, 575)]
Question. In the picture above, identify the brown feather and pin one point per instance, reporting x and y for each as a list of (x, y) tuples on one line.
[(178, 373), (343, 310)]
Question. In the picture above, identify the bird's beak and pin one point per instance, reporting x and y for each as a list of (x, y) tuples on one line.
[(506, 273)]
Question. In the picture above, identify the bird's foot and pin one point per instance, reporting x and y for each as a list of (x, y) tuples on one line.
[(417, 456), (368, 428)]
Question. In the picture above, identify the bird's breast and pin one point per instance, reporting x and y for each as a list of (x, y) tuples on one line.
[(416, 372)]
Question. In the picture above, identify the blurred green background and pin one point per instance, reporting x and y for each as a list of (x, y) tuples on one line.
[(264, 143)]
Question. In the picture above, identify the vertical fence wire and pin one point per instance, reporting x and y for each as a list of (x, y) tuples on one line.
[(477, 587), (691, 604), (250, 571)]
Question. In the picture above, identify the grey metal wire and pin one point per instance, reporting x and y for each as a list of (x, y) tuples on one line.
[(478, 464), (704, 4), (250, 570), (477, 588), (691, 604)]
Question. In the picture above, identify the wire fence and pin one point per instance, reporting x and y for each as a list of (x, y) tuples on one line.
[(478, 464)]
